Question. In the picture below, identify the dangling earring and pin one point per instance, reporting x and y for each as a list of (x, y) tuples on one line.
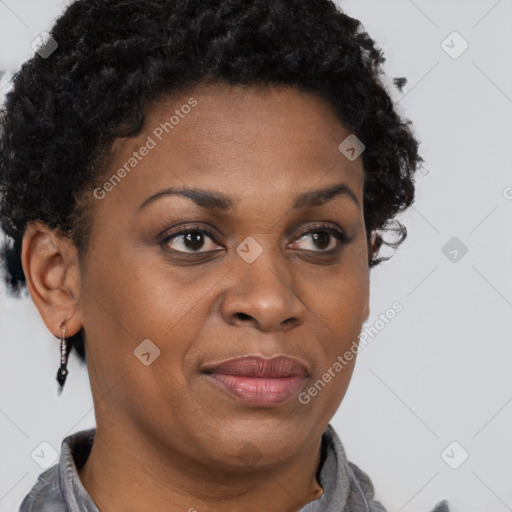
[(63, 371)]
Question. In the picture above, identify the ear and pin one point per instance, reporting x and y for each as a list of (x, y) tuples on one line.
[(50, 263), (366, 313), (373, 246), (375, 243)]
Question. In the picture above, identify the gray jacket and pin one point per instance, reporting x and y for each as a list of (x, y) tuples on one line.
[(346, 487)]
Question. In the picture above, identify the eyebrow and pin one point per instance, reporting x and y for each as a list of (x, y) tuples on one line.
[(218, 201)]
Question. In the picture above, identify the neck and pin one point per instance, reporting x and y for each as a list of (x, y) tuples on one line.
[(127, 471)]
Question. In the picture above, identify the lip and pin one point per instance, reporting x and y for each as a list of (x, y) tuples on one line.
[(258, 381)]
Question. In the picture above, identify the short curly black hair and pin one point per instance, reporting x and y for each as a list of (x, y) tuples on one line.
[(64, 112)]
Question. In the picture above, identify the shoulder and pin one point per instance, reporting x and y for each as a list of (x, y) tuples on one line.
[(361, 493), (365, 488), (58, 488), (45, 496)]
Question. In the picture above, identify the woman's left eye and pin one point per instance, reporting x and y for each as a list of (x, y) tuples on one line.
[(323, 239)]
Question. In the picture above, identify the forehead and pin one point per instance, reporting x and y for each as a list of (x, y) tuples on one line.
[(247, 114), (239, 139)]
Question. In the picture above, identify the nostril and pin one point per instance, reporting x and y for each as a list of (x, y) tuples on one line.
[(243, 316)]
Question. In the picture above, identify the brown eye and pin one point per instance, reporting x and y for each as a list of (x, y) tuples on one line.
[(322, 239), (190, 241)]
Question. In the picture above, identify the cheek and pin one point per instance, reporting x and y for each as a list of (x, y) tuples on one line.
[(336, 319), (127, 305), (338, 304), (143, 293), (338, 299), (132, 298)]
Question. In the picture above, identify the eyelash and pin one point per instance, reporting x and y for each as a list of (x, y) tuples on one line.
[(337, 233)]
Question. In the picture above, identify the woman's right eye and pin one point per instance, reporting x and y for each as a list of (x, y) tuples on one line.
[(190, 241)]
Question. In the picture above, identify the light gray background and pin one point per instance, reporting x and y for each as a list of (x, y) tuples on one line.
[(441, 371)]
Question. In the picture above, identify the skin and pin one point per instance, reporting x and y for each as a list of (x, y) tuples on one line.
[(166, 436)]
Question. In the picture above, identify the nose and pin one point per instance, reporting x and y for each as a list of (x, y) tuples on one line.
[(263, 293)]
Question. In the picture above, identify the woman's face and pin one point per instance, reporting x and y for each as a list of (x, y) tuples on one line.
[(251, 270)]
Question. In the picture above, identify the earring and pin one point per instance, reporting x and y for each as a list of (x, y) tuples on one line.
[(63, 371)]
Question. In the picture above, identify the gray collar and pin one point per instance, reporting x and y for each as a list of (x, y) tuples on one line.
[(346, 487)]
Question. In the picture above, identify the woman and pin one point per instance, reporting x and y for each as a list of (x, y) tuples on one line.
[(194, 193)]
